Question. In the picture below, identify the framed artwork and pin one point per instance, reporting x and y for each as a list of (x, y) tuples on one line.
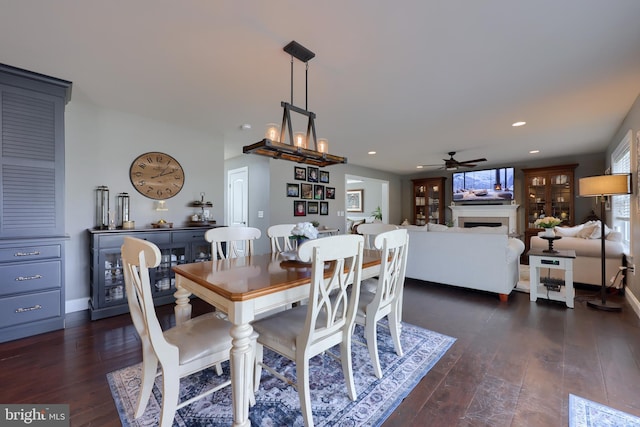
[(324, 177), (299, 173), (307, 191), (354, 200), (318, 192), (293, 190), (330, 192), (324, 208), (312, 207), (299, 208), (312, 174)]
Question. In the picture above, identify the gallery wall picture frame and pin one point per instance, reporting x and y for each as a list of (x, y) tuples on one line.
[(312, 208), (306, 191), (318, 192), (324, 177), (299, 173), (312, 174), (329, 192), (293, 190), (355, 200), (299, 208), (324, 208)]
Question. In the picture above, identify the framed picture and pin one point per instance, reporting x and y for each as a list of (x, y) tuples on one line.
[(354, 200), (299, 208), (307, 191), (299, 173), (329, 192), (324, 177), (324, 208), (312, 207), (318, 192), (293, 190), (312, 174)]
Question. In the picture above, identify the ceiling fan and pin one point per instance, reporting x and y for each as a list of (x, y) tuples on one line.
[(453, 164)]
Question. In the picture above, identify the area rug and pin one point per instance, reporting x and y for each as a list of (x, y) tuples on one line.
[(277, 403), (585, 413)]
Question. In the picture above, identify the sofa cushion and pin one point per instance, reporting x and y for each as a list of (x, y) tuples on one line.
[(589, 231), (437, 227)]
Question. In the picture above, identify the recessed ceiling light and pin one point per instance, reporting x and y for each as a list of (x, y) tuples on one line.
[(372, 152), (516, 124), (534, 151), (419, 167)]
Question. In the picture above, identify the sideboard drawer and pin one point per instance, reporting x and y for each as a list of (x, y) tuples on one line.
[(116, 240), (29, 308), (29, 253), (188, 236), (29, 277)]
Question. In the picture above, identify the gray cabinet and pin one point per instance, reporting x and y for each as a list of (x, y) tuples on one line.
[(177, 246), (32, 231)]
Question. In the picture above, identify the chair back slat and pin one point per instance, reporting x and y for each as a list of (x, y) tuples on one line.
[(393, 246), (333, 299), (238, 241), (279, 235)]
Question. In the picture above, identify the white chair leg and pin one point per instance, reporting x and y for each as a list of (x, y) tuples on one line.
[(395, 328), (372, 344), (170, 392), (304, 393), (257, 372), (347, 370), (149, 371)]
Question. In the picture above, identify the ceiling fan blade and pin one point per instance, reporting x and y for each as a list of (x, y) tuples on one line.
[(467, 165), (473, 161)]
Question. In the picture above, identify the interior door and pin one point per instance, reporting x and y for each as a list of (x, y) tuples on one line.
[(238, 199)]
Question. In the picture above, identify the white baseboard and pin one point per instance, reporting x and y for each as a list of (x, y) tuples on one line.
[(76, 305), (633, 301)]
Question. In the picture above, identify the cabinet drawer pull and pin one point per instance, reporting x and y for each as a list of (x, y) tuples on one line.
[(23, 278), (24, 309), (27, 253)]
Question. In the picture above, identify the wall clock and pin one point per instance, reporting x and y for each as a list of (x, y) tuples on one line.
[(156, 175)]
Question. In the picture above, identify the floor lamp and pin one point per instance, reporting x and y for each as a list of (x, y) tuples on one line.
[(602, 186)]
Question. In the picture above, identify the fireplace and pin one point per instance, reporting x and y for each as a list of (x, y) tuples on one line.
[(485, 215)]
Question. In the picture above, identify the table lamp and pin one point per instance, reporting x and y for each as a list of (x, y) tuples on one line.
[(602, 186)]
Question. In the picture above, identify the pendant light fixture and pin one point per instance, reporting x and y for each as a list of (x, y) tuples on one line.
[(301, 147)]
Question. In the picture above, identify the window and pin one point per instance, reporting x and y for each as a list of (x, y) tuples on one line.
[(621, 205)]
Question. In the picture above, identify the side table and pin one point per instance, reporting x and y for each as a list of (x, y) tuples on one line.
[(552, 289)]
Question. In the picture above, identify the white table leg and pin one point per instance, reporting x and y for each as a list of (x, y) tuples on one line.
[(534, 280), (182, 310), (568, 283), (241, 372)]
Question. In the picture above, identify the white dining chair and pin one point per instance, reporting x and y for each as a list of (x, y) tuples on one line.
[(370, 230), (279, 235), (193, 346), (387, 299), (306, 331), (238, 241)]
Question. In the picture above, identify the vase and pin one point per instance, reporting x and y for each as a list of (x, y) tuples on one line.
[(549, 232)]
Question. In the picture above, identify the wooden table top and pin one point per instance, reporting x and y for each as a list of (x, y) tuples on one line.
[(244, 278)]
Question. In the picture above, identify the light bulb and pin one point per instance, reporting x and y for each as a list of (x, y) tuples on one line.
[(299, 140), (323, 145), (272, 132)]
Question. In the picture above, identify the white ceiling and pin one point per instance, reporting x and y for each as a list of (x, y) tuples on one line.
[(409, 79)]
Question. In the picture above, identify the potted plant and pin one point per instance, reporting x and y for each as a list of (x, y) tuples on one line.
[(377, 214)]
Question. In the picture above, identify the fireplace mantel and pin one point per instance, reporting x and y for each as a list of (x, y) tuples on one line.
[(498, 212)]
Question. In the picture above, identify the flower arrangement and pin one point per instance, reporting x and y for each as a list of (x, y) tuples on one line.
[(547, 222), (304, 230)]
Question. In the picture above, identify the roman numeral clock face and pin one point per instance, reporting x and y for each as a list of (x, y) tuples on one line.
[(156, 175)]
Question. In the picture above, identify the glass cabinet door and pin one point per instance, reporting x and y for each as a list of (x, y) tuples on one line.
[(162, 277), (420, 204), (536, 199), (434, 204), (561, 197), (113, 291)]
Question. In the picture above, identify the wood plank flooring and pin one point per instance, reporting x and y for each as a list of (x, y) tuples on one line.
[(513, 364)]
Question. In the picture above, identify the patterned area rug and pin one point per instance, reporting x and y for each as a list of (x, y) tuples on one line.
[(585, 413), (278, 404)]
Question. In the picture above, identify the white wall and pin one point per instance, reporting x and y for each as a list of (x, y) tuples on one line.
[(100, 146)]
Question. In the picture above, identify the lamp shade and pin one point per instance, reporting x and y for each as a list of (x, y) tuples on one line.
[(603, 185)]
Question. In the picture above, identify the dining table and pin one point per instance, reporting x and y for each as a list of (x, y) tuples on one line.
[(243, 288)]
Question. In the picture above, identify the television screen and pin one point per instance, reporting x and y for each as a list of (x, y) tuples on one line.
[(488, 185)]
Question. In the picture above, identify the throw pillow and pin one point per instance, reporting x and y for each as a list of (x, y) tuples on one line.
[(591, 231), (437, 227), (568, 231)]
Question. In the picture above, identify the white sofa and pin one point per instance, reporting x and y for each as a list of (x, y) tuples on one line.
[(585, 240), (482, 258)]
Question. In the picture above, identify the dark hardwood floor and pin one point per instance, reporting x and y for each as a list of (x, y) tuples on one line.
[(513, 364)]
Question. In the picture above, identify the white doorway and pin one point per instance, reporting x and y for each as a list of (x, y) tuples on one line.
[(238, 200), (375, 194)]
